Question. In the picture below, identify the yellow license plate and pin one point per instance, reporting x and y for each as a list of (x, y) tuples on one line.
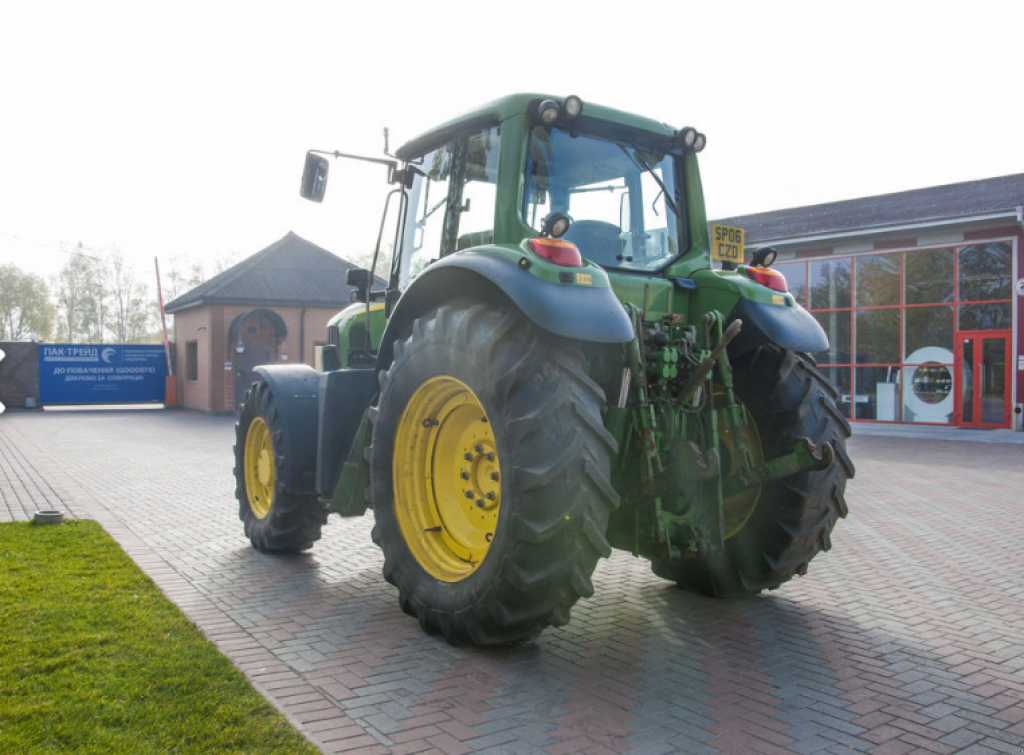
[(726, 243)]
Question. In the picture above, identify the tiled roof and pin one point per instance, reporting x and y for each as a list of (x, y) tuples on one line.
[(952, 201), (289, 271)]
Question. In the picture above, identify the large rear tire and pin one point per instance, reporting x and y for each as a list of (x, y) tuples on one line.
[(275, 521), (490, 475), (792, 519)]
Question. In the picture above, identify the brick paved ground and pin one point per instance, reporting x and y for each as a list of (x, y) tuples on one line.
[(907, 637)]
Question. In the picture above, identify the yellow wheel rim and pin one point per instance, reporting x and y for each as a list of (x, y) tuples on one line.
[(447, 479), (259, 468), (738, 508)]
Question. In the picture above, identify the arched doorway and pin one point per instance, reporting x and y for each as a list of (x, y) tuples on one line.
[(253, 339)]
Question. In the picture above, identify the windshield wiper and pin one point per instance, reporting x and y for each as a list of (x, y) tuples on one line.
[(642, 164), (588, 189)]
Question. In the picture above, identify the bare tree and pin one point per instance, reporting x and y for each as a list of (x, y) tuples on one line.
[(100, 297), (25, 307), (182, 276), (132, 313), (80, 297), (365, 259), (186, 272)]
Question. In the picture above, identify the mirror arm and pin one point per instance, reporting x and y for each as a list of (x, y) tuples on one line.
[(393, 172)]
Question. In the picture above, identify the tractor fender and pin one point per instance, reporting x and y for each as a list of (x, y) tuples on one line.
[(791, 327), (582, 313), (295, 388)]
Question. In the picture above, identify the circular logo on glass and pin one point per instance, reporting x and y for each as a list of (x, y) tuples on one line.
[(932, 383)]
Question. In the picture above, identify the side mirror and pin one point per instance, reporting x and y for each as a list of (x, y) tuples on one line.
[(314, 177), (361, 280)]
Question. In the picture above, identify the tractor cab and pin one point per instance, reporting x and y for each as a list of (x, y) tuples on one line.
[(492, 177)]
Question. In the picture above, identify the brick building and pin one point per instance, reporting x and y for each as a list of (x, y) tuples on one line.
[(271, 308), (920, 293)]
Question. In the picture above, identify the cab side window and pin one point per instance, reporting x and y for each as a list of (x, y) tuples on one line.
[(479, 182), (427, 210), (451, 201)]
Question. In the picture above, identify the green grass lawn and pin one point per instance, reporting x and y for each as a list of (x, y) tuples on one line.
[(93, 658)]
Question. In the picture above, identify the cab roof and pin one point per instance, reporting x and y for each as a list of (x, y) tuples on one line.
[(497, 111)]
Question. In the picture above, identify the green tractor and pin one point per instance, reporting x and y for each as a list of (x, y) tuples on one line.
[(554, 369)]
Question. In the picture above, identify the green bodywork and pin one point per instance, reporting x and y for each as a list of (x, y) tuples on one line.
[(348, 332), (689, 462)]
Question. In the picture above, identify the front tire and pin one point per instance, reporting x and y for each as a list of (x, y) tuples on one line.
[(276, 521), (792, 518), (490, 475)]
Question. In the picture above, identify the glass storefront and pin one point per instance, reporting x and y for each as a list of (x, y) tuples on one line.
[(894, 319)]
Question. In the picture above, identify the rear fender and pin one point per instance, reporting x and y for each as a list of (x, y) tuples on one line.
[(295, 388), (768, 316), (579, 313), (791, 327)]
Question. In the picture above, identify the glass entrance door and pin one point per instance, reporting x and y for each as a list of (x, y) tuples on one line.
[(983, 379)]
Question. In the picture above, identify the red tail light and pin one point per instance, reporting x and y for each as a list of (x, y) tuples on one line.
[(559, 251), (773, 279)]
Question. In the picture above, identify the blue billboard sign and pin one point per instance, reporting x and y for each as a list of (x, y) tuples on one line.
[(100, 374)]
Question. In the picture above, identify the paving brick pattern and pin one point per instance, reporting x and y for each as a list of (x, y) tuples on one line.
[(906, 638)]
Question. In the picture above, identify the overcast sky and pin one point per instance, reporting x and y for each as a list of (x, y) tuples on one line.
[(179, 128)]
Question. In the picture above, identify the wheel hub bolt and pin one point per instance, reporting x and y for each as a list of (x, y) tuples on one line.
[(479, 449), (469, 494), (489, 456), (464, 475), (490, 496), (468, 457), (494, 476)]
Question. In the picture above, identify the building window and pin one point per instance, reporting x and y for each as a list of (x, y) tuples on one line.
[(984, 272), (928, 276), (984, 275), (796, 280), (837, 327), (877, 280), (877, 335), (927, 328), (996, 316), (829, 283), (192, 360), (892, 321)]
